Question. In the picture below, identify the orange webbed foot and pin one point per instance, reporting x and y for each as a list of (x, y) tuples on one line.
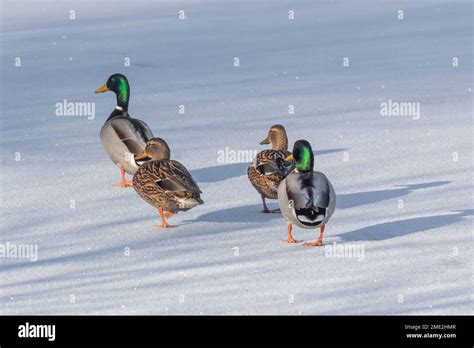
[(164, 225), (291, 241), (126, 183), (314, 244), (319, 242)]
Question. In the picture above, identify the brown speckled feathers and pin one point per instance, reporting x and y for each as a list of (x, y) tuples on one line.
[(268, 170), (166, 184)]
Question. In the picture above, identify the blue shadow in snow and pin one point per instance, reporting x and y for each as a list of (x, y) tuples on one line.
[(220, 173), (327, 151), (233, 170), (242, 214), (351, 200), (393, 229)]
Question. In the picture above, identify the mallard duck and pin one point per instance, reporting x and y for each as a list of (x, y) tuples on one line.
[(269, 167), (306, 198), (165, 184), (121, 136)]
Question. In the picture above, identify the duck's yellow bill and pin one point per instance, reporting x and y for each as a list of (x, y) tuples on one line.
[(289, 158), (142, 155), (102, 89)]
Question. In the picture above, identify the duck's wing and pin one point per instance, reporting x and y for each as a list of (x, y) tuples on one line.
[(174, 177), (269, 162), (311, 198), (132, 132), (308, 190)]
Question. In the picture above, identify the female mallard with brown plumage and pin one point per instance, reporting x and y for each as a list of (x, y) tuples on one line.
[(269, 167), (165, 184)]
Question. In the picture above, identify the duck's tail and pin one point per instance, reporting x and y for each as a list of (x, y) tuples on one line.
[(186, 203), (312, 216)]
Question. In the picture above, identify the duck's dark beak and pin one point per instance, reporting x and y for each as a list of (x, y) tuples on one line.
[(265, 141), (142, 156), (102, 89), (289, 158)]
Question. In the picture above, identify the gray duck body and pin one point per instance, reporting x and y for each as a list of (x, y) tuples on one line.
[(307, 199), (122, 137)]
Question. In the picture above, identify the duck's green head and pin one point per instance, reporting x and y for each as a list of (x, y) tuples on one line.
[(118, 84), (303, 155)]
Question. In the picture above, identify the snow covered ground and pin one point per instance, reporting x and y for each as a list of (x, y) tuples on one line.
[(404, 183)]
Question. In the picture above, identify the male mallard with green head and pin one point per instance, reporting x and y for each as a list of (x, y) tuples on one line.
[(270, 167), (165, 184), (121, 136), (306, 198)]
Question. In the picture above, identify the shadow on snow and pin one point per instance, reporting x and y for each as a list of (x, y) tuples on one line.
[(233, 170)]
